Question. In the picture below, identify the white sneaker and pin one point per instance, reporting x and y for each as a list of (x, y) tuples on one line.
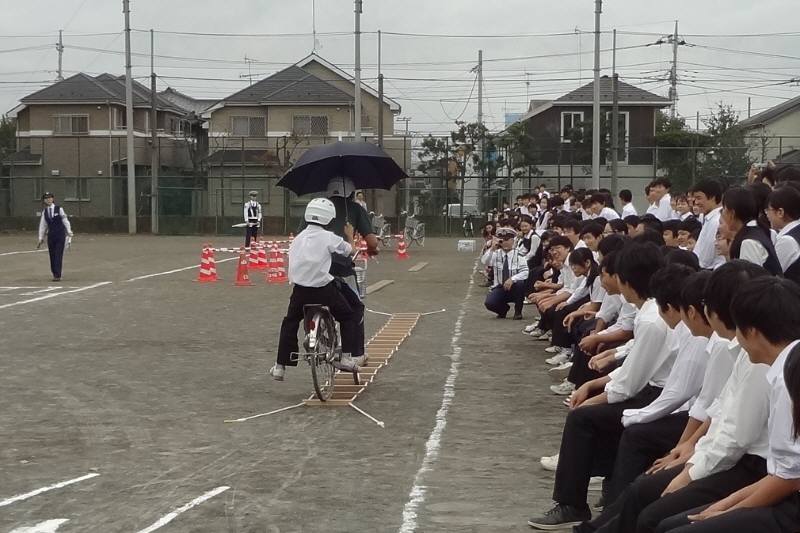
[(558, 359), (553, 349), (546, 336), (536, 333), (596, 482), (560, 372), (549, 463), (531, 327), (277, 371), (565, 388), (347, 363)]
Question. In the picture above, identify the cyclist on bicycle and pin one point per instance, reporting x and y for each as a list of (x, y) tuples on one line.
[(310, 257)]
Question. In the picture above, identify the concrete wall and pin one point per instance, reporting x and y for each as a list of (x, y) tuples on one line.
[(784, 136)]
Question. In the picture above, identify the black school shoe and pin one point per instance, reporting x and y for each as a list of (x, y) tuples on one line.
[(517, 316), (560, 517)]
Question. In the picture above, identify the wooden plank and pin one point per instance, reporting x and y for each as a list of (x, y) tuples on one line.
[(378, 285), (418, 267)]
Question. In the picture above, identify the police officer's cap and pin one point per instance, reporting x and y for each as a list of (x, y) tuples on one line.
[(505, 234), (48, 195), (253, 193)]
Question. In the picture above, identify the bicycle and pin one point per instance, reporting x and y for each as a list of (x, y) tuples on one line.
[(414, 230), (382, 229), (469, 230), (323, 349)]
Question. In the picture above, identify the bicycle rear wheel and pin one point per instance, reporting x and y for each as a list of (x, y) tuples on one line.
[(421, 234), (322, 369)]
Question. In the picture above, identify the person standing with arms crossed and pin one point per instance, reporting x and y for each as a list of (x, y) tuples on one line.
[(55, 223), (252, 216)]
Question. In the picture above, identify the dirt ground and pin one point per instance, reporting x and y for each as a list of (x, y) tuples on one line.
[(133, 379)]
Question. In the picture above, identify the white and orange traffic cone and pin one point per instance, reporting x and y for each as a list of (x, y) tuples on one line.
[(402, 252), (281, 264), (206, 275), (242, 275)]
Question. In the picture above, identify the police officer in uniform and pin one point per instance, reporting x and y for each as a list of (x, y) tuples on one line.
[(341, 192), (54, 222), (252, 216)]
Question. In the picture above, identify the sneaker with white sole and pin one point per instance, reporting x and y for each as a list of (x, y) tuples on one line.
[(536, 333), (553, 349), (560, 372), (549, 462), (558, 359), (561, 516), (530, 327), (346, 363), (565, 388), (546, 336), (277, 371)]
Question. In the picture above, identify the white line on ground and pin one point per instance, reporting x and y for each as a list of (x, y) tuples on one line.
[(169, 517), (434, 442), (378, 285), (48, 526), (53, 295), (23, 252), (31, 494), (137, 278), (418, 267), (39, 291)]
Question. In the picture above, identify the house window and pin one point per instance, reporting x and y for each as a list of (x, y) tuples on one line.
[(176, 126), (120, 118), (248, 126), (71, 124), (570, 120), (76, 189), (623, 118), (309, 125)]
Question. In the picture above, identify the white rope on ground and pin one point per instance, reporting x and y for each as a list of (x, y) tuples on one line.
[(276, 411), (381, 424), (434, 443)]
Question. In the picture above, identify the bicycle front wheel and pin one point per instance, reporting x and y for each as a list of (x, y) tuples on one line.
[(421, 234), (322, 369)]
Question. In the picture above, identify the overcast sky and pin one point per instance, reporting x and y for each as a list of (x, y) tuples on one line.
[(429, 76)]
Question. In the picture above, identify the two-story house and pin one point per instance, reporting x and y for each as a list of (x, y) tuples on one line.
[(561, 131), (71, 140), (775, 133), (259, 131)]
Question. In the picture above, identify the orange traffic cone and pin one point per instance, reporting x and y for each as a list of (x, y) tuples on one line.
[(253, 256), (242, 275), (272, 264), (280, 267), (206, 275), (212, 264), (402, 253), (262, 257)]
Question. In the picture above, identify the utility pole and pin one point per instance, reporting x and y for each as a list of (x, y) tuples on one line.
[(480, 87), (596, 99), (528, 88), (405, 162), (60, 48), (480, 128), (614, 120), (380, 110), (154, 155), (129, 147), (748, 107), (673, 75), (357, 112)]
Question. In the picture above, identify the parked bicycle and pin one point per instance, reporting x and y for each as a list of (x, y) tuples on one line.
[(469, 229), (382, 229), (414, 230)]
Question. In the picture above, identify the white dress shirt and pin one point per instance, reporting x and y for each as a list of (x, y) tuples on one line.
[(609, 214), (783, 457), (247, 206), (786, 247), (535, 242), (568, 280), (738, 421), (517, 265), (67, 227), (663, 210), (704, 247), (649, 359), (629, 209), (683, 383), (721, 358), (595, 292), (609, 309), (543, 222), (752, 250), (624, 322), (310, 256)]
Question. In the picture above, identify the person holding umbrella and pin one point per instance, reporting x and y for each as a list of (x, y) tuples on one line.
[(55, 223)]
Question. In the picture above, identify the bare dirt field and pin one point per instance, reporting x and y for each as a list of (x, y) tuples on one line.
[(115, 385)]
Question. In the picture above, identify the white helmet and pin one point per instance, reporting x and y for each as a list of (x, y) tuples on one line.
[(320, 211), (341, 187)]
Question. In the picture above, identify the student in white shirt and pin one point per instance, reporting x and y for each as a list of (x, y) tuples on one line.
[(628, 209), (751, 242), (770, 504), (707, 197), (55, 224), (309, 273), (597, 208), (783, 212), (591, 432), (660, 188), (724, 452), (652, 200)]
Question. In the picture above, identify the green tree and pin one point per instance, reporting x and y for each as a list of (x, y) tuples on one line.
[(677, 150), (8, 137), (522, 155), (726, 157)]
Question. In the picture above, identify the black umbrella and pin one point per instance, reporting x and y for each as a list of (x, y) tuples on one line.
[(366, 164)]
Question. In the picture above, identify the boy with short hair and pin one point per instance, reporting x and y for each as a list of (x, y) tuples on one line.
[(626, 197)]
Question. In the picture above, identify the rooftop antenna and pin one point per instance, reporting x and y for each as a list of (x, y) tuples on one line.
[(249, 74), (316, 43)]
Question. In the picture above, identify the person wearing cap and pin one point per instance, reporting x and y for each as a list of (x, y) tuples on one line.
[(55, 223), (510, 272), (252, 216)]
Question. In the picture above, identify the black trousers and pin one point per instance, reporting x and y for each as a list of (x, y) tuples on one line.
[(498, 299), (640, 445), (561, 336), (55, 247), (251, 232), (589, 446), (641, 508), (783, 517), (328, 295)]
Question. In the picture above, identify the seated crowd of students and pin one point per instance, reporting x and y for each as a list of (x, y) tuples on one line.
[(674, 339)]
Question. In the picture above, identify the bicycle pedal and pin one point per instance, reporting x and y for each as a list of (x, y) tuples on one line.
[(294, 357)]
